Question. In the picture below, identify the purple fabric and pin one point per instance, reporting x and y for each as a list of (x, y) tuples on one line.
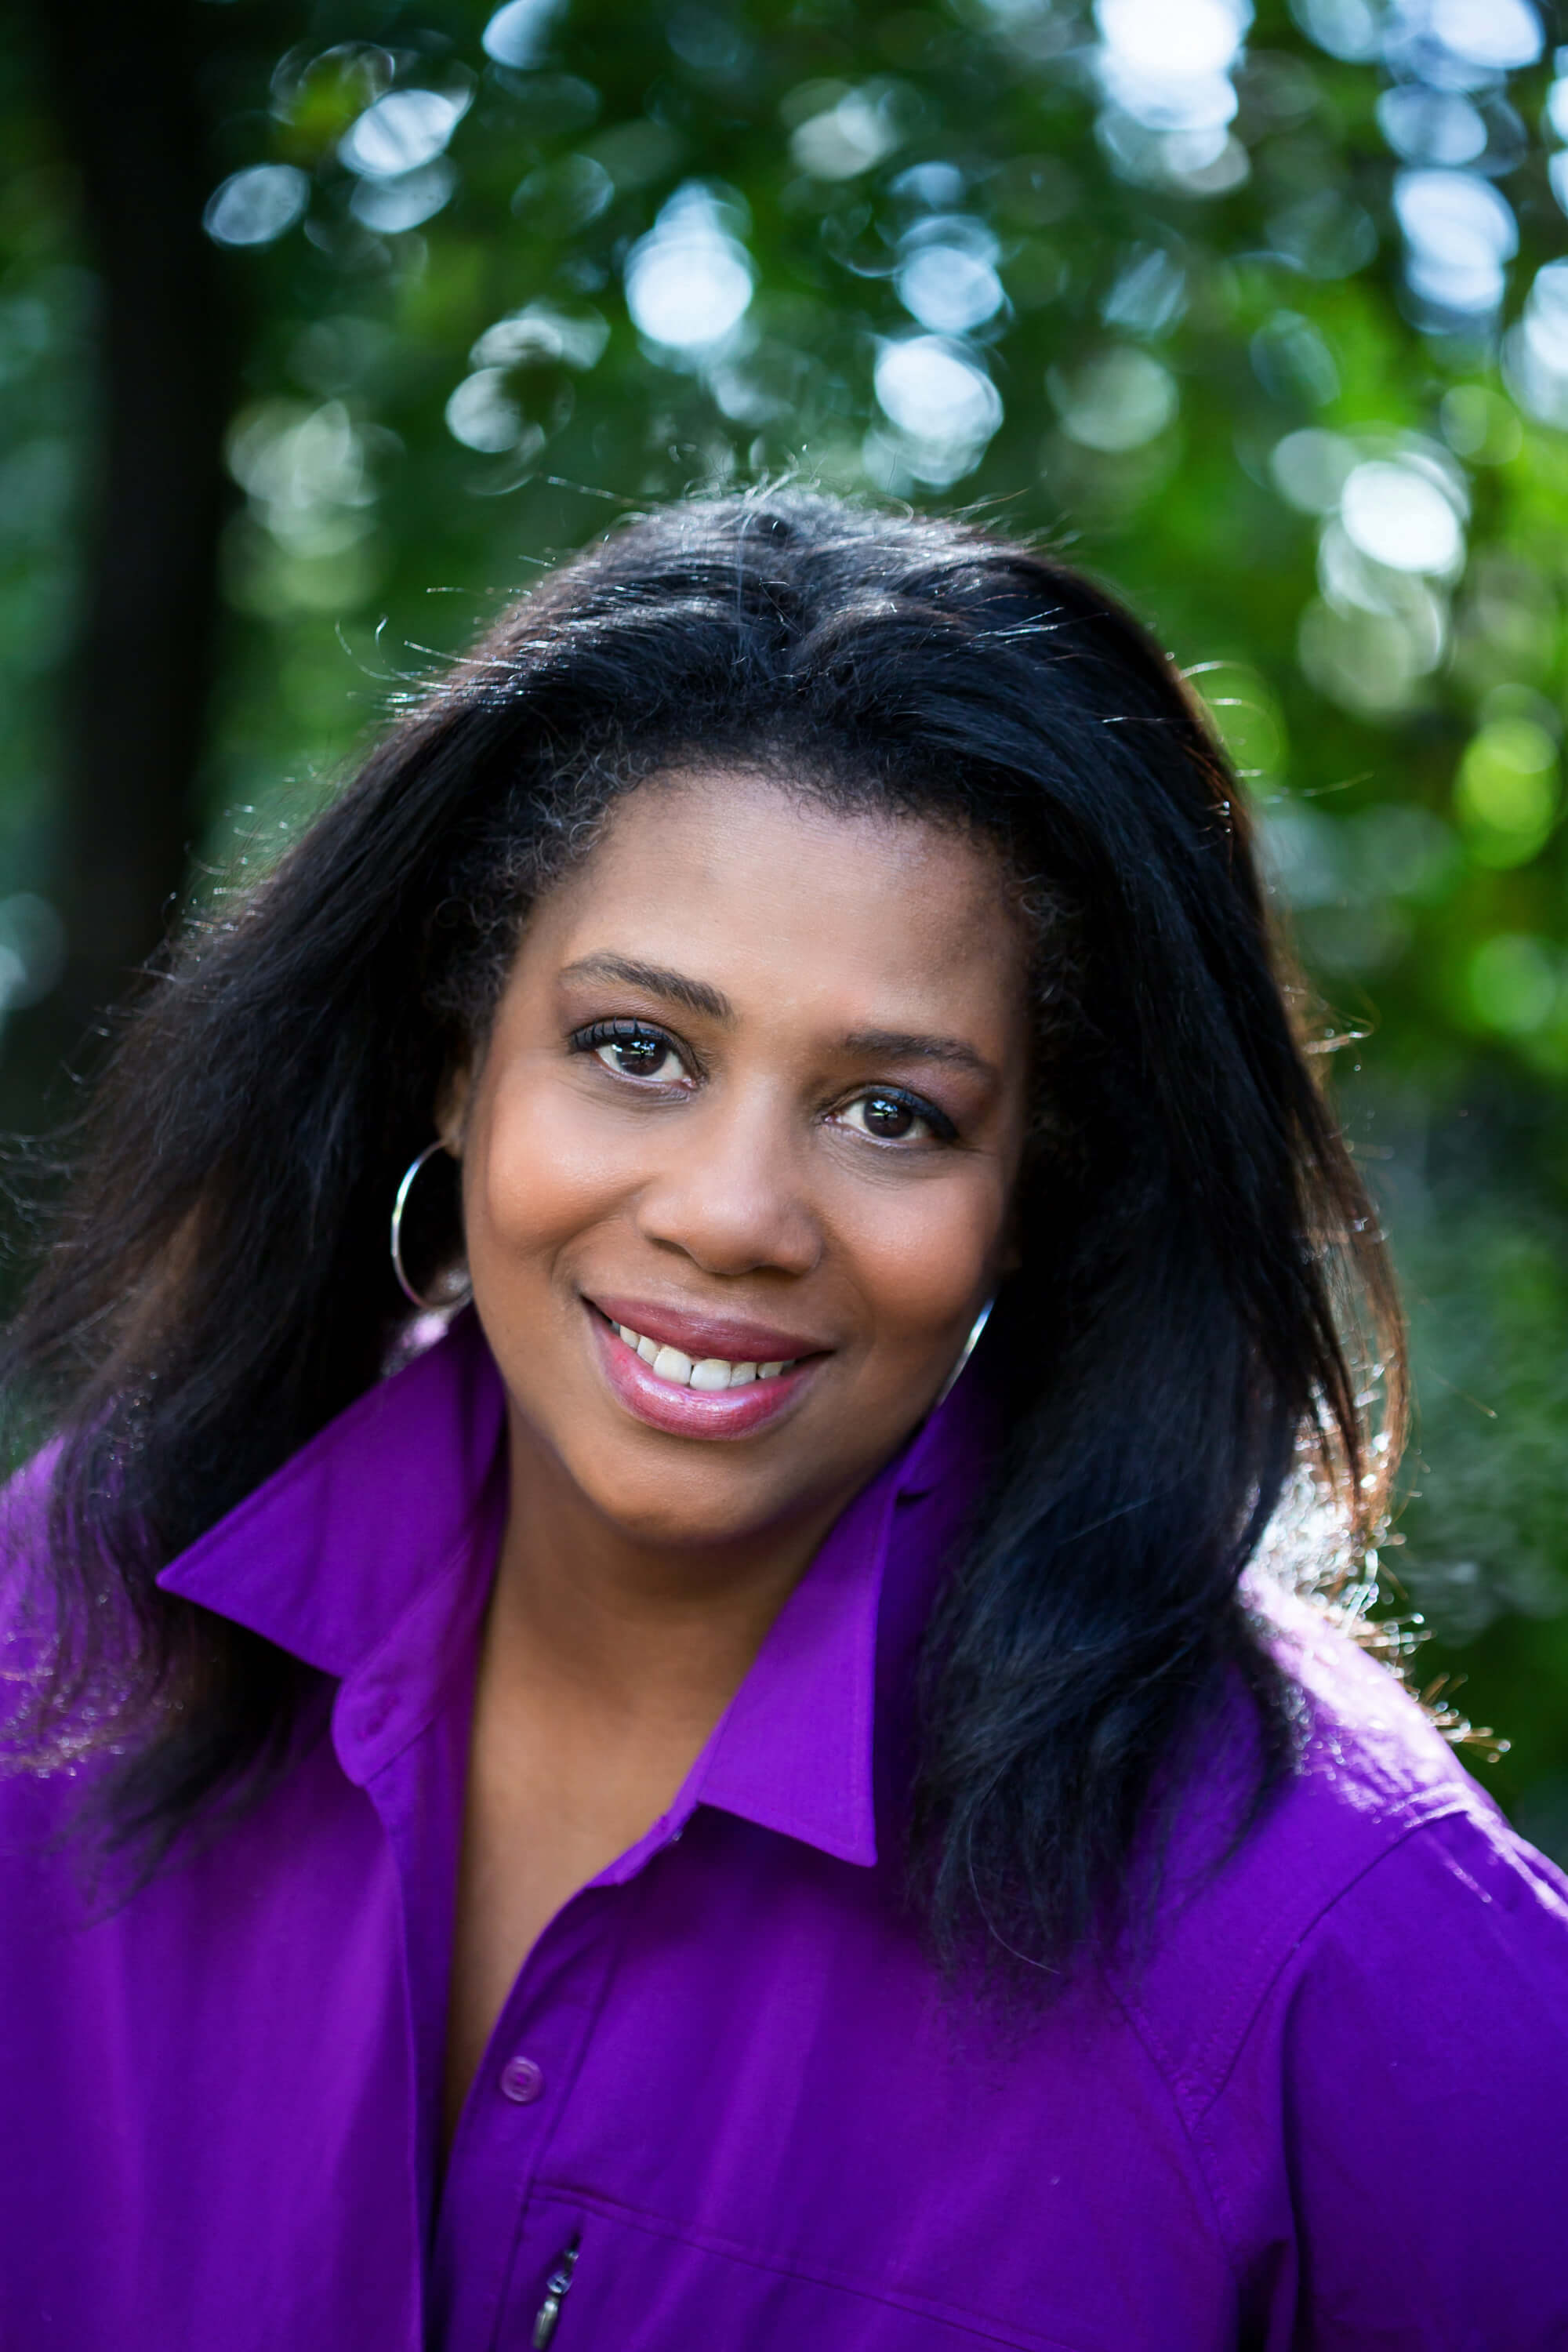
[(1324, 2106)]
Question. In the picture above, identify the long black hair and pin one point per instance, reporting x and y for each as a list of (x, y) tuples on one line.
[(1200, 1271)]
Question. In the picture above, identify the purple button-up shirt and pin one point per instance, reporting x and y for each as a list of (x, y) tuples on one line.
[(728, 2102)]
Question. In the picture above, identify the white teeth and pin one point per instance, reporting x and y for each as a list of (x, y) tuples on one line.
[(709, 1372)]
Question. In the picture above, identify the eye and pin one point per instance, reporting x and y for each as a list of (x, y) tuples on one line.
[(888, 1116), (632, 1050)]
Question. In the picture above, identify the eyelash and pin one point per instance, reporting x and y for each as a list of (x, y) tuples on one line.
[(598, 1034)]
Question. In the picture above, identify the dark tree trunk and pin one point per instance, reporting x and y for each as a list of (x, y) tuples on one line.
[(126, 85)]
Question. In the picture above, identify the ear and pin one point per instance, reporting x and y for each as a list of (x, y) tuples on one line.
[(452, 1104)]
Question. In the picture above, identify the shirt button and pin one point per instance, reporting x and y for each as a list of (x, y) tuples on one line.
[(521, 2081)]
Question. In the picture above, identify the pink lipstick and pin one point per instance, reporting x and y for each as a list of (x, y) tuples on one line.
[(697, 1375)]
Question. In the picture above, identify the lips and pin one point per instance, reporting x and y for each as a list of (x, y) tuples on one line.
[(663, 1394), (735, 1339)]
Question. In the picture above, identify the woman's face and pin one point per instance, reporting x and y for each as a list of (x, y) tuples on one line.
[(754, 1097)]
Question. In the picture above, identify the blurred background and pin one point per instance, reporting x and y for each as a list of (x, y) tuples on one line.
[(325, 323)]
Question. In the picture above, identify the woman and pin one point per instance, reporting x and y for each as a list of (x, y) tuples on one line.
[(684, 1815)]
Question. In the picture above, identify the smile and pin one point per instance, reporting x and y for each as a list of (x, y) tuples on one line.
[(710, 1373), (692, 1391)]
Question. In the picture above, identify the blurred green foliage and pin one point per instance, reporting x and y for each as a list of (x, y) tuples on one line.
[(1265, 321)]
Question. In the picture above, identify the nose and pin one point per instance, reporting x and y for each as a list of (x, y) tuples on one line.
[(732, 1190)]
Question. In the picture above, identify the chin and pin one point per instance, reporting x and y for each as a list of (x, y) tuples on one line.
[(673, 1513)]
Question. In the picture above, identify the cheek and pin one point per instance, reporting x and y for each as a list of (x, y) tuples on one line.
[(536, 1170), (919, 1260)]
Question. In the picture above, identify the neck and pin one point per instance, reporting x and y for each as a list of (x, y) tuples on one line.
[(644, 1630)]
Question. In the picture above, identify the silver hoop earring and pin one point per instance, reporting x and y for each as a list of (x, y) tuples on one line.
[(458, 1297), (970, 1344)]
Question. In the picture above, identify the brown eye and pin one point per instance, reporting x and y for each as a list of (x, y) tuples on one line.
[(632, 1050), (636, 1058), (887, 1119)]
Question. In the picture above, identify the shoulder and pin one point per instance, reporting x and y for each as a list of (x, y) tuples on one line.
[(1376, 1798), (1370, 1983)]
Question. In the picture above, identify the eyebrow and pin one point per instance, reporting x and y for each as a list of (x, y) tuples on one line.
[(699, 996), (695, 994), (911, 1045)]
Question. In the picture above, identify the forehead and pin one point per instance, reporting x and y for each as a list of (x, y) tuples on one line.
[(729, 869)]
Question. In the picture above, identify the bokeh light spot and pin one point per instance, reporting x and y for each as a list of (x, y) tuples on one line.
[(1460, 231), (1480, 425), (542, 332), (1245, 716), (1117, 399), (1497, 36), (32, 951), (1351, 29), (482, 414), (1180, 39), (1506, 791), (405, 201), (941, 399), (401, 132), (1513, 982), (848, 137), (1325, 234), (519, 35), (1400, 518), (1312, 467), (1535, 349), (1431, 126), (255, 206), (948, 279), (689, 281)]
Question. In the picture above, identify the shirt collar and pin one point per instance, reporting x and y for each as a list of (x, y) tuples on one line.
[(329, 1552), (362, 1553)]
